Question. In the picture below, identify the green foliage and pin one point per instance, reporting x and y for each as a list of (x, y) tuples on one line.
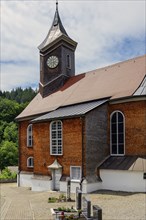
[(62, 197), (52, 200), (8, 154), (64, 209), (7, 174), (19, 95), (8, 109), (11, 105), (3, 125), (11, 132)]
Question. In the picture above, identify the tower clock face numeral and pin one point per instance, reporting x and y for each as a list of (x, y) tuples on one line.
[(52, 62)]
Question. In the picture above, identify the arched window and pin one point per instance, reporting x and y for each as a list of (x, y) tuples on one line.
[(30, 162), (29, 135), (56, 138), (117, 136)]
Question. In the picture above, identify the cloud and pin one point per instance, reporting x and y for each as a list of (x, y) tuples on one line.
[(106, 32)]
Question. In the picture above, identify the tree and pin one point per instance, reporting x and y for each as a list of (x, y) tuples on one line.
[(8, 109), (11, 133), (8, 154), (3, 125), (11, 104)]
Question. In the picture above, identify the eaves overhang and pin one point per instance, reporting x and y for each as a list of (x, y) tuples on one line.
[(128, 99), (62, 37)]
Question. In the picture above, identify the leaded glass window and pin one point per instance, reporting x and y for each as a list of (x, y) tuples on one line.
[(56, 138), (117, 133)]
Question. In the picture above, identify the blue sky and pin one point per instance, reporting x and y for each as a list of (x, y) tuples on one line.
[(106, 31)]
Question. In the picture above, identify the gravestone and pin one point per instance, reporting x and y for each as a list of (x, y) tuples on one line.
[(68, 189), (97, 212), (86, 208), (78, 199)]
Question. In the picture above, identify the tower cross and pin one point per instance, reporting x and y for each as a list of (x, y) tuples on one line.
[(56, 4)]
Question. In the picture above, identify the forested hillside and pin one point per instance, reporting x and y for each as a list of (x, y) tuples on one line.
[(11, 104)]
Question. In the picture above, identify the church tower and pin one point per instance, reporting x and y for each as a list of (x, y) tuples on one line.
[(57, 58)]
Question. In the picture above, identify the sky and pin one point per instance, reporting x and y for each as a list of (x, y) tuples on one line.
[(107, 32)]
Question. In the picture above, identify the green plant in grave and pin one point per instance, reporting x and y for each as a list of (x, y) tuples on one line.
[(52, 200), (62, 197)]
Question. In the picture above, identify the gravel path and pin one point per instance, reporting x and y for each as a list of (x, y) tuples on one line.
[(23, 204)]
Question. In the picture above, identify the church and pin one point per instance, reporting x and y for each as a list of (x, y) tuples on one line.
[(89, 127)]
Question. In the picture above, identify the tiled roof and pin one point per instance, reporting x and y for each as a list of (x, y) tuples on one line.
[(70, 111), (115, 81)]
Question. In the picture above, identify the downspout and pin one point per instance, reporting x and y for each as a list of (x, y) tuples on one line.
[(82, 120), (19, 170), (18, 173)]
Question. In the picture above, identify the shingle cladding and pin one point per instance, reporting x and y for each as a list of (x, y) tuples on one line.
[(69, 111)]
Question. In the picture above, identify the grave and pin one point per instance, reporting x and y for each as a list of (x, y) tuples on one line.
[(68, 198), (86, 208), (78, 199), (97, 212), (84, 204)]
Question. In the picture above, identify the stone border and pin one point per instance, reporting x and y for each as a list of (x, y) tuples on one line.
[(8, 180)]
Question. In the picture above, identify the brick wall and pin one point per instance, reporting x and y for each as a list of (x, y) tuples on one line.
[(135, 139), (72, 146), (24, 151), (135, 126)]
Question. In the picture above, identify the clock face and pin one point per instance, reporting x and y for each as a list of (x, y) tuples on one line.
[(52, 62)]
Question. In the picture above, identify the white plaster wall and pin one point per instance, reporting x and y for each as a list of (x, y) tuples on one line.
[(41, 185), (28, 180), (91, 187), (120, 180), (25, 180), (86, 187), (63, 186)]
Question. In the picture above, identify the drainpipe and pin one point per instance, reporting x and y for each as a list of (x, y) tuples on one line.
[(19, 170), (82, 120)]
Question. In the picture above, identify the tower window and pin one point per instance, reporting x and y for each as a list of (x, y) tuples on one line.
[(68, 61), (41, 66), (56, 138), (29, 135), (117, 135)]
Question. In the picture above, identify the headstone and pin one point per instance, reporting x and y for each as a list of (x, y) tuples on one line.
[(86, 208), (97, 212), (78, 199), (68, 189)]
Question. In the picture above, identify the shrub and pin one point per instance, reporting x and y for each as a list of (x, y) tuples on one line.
[(7, 174)]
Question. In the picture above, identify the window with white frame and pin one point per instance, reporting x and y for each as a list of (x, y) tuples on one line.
[(75, 173), (29, 135), (56, 138), (30, 162), (117, 134)]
